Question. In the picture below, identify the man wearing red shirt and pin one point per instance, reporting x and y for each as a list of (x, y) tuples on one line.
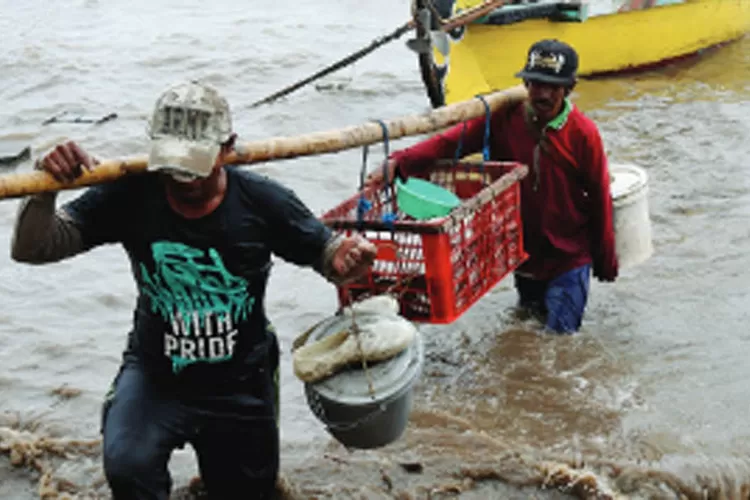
[(566, 204)]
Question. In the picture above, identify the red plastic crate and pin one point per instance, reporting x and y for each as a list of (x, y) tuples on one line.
[(440, 267)]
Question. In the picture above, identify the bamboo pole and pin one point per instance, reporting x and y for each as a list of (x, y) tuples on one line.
[(279, 148)]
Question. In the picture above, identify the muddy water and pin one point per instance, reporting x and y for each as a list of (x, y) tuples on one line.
[(648, 400)]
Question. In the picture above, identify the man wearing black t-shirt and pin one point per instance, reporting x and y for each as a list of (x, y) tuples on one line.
[(201, 363)]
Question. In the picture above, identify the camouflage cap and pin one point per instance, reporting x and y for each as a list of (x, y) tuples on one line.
[(189, 123)]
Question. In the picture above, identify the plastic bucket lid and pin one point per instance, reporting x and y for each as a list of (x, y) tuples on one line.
[(626, 179), (424, 200), (389, 377)]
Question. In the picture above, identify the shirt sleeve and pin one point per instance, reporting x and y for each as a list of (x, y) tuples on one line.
[(100, 213), (42, 234), (415, 160), (295, 234), (596, 174)]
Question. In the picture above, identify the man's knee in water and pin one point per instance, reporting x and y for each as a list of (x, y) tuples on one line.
[(566, 299), (531, 302), (127, 460)]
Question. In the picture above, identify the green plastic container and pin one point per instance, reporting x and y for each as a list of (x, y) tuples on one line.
[(424, 200)]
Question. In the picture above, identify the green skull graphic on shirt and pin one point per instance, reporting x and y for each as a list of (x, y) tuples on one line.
[(199, 298)]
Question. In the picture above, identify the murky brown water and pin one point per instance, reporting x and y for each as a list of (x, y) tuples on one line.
[(651, 393)]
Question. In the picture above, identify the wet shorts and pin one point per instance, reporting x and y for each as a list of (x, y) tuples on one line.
[(233, 432), (559, 302)]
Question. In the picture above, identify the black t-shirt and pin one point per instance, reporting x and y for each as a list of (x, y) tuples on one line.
[(201, 283)]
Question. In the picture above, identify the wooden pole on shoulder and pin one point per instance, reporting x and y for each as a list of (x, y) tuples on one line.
[(280, 148)]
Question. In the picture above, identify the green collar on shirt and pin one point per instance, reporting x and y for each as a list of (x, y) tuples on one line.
[(560, 120)]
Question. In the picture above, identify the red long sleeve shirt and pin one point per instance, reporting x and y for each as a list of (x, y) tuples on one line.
[(566, 204)]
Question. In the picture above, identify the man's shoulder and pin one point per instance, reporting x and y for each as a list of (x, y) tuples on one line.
[(254, 181), (120, 191), (581, 122), (271, 200), (261, 190), (515, 110)]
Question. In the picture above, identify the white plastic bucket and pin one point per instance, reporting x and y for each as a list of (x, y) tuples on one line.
[(632, 222), (345, 405)]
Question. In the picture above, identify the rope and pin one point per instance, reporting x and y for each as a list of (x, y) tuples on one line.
[(486, 145), (346, 61), (355, 332), (487, 123), (460, 146), (363, 206), (392, 217)]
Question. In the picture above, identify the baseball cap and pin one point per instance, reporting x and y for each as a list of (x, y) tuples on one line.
[(551, 61), (189, 123)]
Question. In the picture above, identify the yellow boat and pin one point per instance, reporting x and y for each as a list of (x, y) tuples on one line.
[(635, 35)]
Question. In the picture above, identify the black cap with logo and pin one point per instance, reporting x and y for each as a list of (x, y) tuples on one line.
[(551, 61)]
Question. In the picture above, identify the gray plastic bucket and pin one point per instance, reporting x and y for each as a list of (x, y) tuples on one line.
[(344, 404)]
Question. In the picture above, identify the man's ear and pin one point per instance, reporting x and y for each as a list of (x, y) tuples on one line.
[(226, 148), (228, 145)]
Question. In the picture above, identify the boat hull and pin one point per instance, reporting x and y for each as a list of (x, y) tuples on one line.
[(485, 57)]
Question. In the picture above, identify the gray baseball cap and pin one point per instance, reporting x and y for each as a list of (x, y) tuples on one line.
[(189, 123)]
